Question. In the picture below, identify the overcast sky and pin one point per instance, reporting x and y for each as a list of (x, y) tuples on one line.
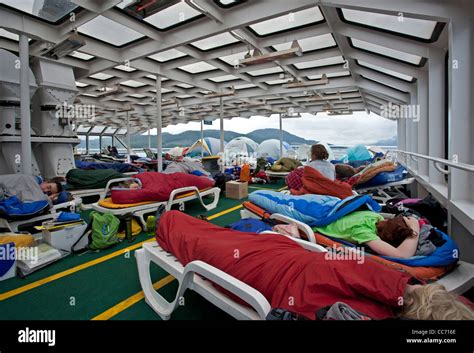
[(343, 130)]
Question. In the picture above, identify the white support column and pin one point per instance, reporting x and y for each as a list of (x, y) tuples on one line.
[(221, 125), (461, 105), (412, 130), (129, 147), (401, 134), (159, 123), (202, 137), (422, 125), (436, 112), (281, 136), (26, 158)]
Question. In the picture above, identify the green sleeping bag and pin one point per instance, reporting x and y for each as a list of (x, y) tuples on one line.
[(80, 179)]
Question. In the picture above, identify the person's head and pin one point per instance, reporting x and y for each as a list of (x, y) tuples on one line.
[(52, 186), (319, 152), (433, 302), (394, 231), (109, 148), (344, 171)]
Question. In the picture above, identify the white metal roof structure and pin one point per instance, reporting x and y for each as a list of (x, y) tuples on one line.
[(368, 55)]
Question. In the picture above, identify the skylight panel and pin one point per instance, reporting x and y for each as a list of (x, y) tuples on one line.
[(399, 24), (310, 44), (329, 75), (167, 55), (172, 16), (380, 82), (184, 96), (132, 83), (109, 31), (318, 63), (224, 78), (101, 76), (216, 41), (163, 90), (125, 68), (137, 95), (81, 56), (276, 82), (197, 67), (385, 71), (289, 21), (245, 86), (393, 53), (184, 85), (81, 84), (272, 70)]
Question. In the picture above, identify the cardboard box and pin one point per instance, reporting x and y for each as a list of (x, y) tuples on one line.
[(65, 238), (236, 190)]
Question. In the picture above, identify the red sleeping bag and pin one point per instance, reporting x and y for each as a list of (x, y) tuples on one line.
[(158, 187), (289, 276)]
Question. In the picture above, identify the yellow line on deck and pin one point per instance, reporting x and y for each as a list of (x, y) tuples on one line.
[(232, 209), (130, 301), (85, 265), (65, 273)]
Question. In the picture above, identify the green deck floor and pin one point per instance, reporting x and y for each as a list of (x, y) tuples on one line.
[(92, 290)]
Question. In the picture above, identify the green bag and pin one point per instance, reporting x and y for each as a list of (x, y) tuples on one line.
[(104, 230)]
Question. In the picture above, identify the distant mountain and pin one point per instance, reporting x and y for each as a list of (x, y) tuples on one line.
[(387, 142), (187, 138)]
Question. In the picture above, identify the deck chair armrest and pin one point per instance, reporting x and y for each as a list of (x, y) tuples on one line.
[(301, 226), (176, 192), (248, 294)]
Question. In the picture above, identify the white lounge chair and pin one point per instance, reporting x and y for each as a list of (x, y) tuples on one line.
[(201, 277), (140, 211), (380, 192), (271, 174)]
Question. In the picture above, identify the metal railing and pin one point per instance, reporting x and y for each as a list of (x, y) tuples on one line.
[(438, 162)]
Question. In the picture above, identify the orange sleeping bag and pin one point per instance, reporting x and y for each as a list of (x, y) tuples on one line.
[(316, 183)]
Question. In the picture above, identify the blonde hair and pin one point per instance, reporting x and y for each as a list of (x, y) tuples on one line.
[(434, 302)]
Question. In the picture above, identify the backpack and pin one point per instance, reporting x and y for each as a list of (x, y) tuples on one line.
[(102, 231)]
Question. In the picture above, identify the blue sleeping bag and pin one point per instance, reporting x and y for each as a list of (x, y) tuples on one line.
[(444, 255), (386, 177), (313, 210), (119, 167), (13, 207)]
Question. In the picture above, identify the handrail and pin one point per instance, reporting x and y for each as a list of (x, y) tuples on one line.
[(440, 161)]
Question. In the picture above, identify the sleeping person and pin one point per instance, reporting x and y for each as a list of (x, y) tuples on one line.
[(301, 281), (319, 156), (397, 237)]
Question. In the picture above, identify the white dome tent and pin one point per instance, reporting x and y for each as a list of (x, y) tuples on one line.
[(271, 148), (240, 147)]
